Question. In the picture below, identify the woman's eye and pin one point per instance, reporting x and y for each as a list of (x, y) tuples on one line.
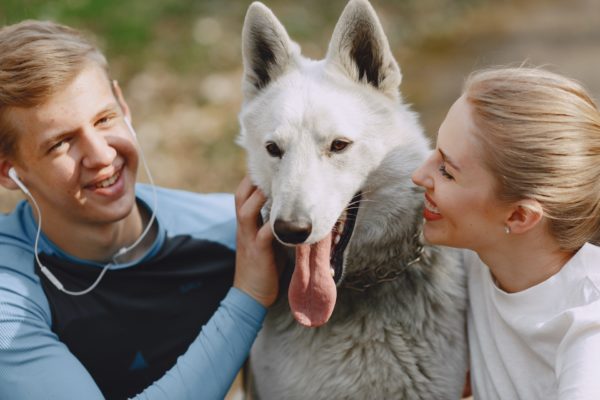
[(273, 150), (339, 145), (445, 173)]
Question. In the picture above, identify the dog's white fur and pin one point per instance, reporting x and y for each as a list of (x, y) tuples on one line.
[(403, 339)]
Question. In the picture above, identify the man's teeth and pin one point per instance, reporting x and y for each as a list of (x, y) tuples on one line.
[(430, 207), (108, 182)]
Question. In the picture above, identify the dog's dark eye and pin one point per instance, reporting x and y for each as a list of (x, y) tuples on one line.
[(339, 145), (273, 150)]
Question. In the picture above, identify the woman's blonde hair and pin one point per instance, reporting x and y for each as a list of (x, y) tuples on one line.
[(540, 136), (37, 58)]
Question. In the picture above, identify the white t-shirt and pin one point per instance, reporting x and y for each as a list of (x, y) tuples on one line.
[(540, 343)]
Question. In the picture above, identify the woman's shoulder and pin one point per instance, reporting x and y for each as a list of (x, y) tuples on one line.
[(581, 275), (471, 259), (590, 250), (589, 257)]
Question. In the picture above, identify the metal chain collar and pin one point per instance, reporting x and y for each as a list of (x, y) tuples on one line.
[(368, 278)]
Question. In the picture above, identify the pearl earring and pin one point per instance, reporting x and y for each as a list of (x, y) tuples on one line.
[(507, 229)]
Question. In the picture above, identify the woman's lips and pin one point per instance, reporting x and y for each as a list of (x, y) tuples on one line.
[(430, 211)]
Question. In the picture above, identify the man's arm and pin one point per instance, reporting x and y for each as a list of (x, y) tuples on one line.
[(213, 360), (211, 363), (34, 364)]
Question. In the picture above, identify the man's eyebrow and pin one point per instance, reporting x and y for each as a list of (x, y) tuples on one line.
[(448, 160), (111, 107)]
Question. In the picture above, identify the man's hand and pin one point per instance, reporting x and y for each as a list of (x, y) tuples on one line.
[(255, 268)]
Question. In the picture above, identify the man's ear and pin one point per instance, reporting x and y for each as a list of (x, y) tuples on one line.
[(525, 215), (120, 99), (5, 180)]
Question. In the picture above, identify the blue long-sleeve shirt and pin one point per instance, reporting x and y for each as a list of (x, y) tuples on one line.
[(148, 330)]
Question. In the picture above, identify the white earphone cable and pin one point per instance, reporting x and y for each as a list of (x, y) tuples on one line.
[(119, 253)]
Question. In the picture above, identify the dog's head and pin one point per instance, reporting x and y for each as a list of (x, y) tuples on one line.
[(314, 131)]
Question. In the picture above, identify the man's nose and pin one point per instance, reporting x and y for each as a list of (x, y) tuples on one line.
[(97, 152)]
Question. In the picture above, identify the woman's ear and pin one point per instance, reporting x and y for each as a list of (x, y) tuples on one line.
[(525, 216)]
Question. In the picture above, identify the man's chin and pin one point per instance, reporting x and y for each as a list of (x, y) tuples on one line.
[(116, 211)]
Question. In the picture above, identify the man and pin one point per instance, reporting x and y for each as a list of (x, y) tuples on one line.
[(110, 289)]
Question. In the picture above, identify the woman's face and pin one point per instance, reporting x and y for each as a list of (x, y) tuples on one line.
[(461, 206)]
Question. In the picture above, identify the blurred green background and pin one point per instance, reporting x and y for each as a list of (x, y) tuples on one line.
[(178, 62)]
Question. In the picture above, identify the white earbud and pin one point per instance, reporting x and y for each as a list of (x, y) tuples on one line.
[(13, 175)]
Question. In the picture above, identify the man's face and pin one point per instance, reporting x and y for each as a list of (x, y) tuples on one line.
[(77, 156)]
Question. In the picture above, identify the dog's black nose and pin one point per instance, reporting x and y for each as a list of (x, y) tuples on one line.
[(292, 232)]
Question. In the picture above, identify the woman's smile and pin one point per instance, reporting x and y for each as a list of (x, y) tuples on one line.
[(431, 212)]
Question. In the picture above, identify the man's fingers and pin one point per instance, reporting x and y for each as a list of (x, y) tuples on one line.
[(243, 191), (265, 235), (249, 211)]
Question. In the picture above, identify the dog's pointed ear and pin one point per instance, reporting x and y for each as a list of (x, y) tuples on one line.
[(360, 48), (267, 49)]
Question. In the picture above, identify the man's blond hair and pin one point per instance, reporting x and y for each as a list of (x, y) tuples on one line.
[(37, 59)]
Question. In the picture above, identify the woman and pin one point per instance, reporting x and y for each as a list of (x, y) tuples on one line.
[(515, 177)]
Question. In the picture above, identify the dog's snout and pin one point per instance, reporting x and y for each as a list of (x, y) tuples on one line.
[(292, 232)]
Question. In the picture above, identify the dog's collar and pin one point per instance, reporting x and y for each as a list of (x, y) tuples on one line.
[(368, 278)]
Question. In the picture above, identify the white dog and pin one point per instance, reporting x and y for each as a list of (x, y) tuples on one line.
[(378, 315)]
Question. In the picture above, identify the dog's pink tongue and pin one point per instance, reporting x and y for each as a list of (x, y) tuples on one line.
[(312, 290)]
